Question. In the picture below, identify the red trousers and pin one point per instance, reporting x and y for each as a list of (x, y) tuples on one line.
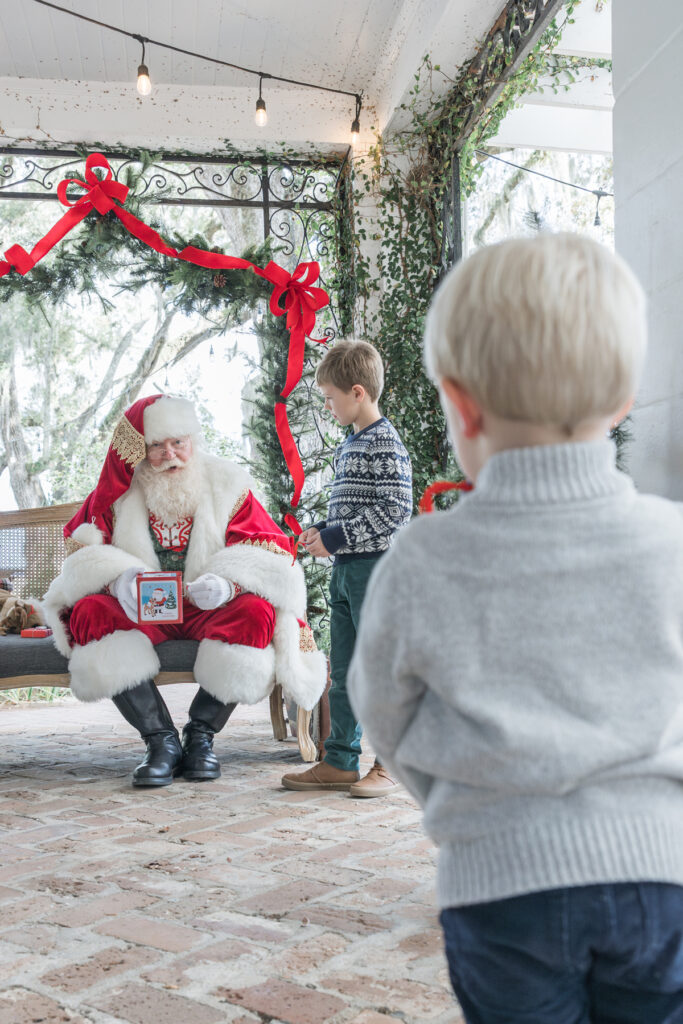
[(247, 619)]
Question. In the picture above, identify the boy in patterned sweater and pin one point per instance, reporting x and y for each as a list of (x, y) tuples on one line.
[(371, 499)]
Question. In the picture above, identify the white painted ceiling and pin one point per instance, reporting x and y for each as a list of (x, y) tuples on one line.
[(64, 80), (334, 43)]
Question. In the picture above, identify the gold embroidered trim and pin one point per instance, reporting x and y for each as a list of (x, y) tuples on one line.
[(238, 504), (128, 443), (306, 641), (72, 545), (268, 545)]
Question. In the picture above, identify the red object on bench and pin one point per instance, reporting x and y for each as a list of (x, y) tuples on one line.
[(37, 631)]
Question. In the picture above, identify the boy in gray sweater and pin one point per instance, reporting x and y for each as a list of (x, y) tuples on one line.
[(519, 664)]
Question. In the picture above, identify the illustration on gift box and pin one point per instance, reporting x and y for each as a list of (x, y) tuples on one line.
[(159, 597)]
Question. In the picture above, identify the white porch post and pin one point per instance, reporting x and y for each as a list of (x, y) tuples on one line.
[(648, 179)]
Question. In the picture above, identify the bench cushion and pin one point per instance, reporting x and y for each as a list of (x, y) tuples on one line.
[(24, 656)]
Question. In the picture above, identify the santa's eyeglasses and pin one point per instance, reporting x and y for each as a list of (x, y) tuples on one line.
[(179, 444)]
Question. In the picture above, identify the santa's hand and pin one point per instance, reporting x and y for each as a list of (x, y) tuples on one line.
[(125, 590), (210, 591)]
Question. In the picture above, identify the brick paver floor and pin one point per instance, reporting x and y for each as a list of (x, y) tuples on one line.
[(231, 901)]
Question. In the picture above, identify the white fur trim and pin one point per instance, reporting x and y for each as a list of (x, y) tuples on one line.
[(272, 576), (88, 571), (169, 417), (301, 674), (111, 665), (224, 482), (131, 526), (87, 533), (234, 672)]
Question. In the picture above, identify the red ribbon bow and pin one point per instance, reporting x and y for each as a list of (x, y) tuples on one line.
[(100, 195), (301, 303), (294, 297)]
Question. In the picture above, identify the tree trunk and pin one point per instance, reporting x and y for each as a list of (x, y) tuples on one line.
[(28, 490)]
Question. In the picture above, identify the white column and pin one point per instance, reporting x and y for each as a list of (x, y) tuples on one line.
[(648, 178)]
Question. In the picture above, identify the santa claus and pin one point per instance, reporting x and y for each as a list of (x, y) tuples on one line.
[(162, 503)]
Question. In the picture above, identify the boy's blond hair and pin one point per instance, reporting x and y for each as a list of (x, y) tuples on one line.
[(352, 362), (547, 330)]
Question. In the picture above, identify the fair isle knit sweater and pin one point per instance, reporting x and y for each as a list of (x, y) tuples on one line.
[(372, 493), (519, 665)]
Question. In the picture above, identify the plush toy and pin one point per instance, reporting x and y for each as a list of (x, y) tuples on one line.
[(16, 614)]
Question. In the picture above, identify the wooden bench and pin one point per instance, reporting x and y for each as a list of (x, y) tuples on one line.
[(31, 555)]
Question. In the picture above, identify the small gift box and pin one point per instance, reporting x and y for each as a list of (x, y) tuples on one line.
[(37, 631), (160, 597)]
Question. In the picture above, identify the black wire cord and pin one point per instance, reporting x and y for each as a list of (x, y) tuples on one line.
[(529, 170), (202, 56)]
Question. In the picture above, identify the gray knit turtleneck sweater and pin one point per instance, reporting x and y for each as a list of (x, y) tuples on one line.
[(520, 667)]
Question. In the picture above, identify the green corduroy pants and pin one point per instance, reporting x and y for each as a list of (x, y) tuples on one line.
[(348, 584)]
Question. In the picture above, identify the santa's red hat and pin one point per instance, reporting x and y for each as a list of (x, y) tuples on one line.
[(147, 420)]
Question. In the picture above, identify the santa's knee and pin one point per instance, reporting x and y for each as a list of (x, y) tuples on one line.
[(259, 621), (234, 672), (94, 617), (108, 666)]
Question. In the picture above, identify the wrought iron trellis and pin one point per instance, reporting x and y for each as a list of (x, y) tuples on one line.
[(515, 32), (296, 197)]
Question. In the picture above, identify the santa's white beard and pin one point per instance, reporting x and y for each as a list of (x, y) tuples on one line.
[(171, 496)]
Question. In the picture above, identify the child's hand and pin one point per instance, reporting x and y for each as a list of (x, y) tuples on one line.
[(311, 540)]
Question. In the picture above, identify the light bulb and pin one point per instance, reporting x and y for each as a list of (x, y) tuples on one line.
[(355, 132), (144, 82), (261, 117)]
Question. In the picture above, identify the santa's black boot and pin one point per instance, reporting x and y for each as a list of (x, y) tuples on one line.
[(144, 708), (207, 716)]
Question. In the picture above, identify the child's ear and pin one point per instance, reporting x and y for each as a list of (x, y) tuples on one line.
[(467, 408), (622, 413), (358, 392)]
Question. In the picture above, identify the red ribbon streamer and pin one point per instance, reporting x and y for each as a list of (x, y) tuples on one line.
[(427, 500), (293, 296), (290, 451), (294, 526)]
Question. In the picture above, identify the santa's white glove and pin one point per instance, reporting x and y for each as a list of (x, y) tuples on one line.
[(210, 591), (125, 590)]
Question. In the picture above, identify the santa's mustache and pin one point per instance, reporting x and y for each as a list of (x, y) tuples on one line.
[(168, 464)]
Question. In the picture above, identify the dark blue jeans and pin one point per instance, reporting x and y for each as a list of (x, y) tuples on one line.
[(597, 954)]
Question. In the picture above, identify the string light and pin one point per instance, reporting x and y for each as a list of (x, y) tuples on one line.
[(355, 124), (598, 196), (144, 81), (145, 84), (597, 192), (261, 117)]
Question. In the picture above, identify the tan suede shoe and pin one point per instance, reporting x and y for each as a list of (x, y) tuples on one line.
[(320, 776), (378, 782)]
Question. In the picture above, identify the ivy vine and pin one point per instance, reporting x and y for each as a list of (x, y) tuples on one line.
[(409, 175)]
